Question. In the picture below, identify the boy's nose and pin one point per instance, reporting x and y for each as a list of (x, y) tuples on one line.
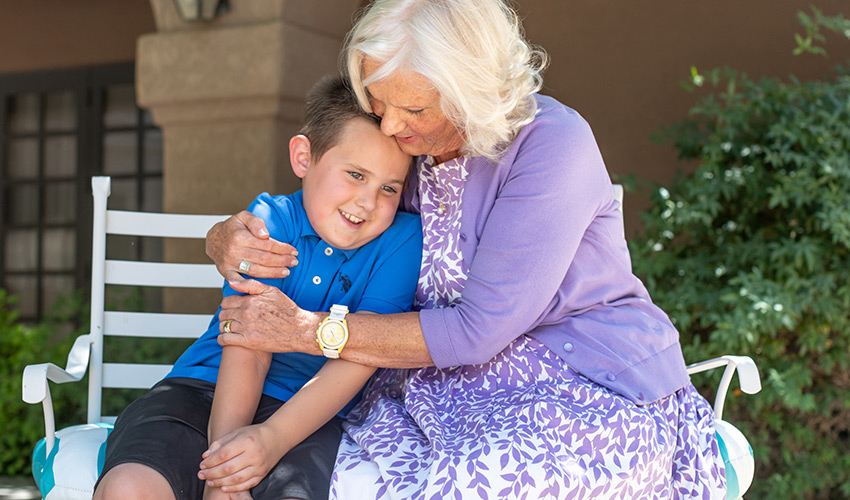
[(367, 199)]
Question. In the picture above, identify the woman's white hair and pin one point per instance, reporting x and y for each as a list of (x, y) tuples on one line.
[(472, 51)]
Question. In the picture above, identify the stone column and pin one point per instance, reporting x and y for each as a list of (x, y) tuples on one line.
[(229, 94)]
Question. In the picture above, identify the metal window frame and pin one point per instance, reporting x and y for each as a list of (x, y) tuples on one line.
[(89, 86)]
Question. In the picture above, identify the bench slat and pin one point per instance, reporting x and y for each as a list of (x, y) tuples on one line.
[(158, 325), (133, 376), (161, 225), (123, 272)]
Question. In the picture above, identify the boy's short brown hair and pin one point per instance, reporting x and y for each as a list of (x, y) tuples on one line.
[(331, 104)]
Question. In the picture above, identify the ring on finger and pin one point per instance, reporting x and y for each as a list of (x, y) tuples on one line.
[(244, 266), (226, 326)]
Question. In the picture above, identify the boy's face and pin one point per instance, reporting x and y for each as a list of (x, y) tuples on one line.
[(352, 192)]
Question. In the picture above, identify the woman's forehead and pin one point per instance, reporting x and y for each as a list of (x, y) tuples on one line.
[(402, 85)]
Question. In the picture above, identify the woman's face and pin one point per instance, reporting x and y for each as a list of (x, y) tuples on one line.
[(409, 108)]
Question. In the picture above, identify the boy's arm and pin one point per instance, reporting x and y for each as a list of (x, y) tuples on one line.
[(244, 457), (238, 390)]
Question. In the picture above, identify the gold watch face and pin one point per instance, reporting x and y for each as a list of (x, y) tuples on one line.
[(333, 334)]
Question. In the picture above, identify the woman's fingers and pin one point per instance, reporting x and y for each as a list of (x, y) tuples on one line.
[(243, 239), (254, 224)]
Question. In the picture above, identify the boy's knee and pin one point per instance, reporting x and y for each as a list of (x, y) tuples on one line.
[(133, 482)]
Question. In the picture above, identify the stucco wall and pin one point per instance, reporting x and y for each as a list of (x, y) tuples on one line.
[(52, 34), (617, 62)]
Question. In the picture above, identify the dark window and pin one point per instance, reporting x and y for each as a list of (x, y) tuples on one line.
[(57, 129)]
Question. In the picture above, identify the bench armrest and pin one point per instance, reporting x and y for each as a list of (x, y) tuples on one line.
[(748, 376), (35, 381)]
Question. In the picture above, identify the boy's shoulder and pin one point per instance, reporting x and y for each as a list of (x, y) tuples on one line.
[(405, 223)]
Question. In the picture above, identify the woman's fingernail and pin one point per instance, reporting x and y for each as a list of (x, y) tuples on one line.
[(263, 232), (285, 273)]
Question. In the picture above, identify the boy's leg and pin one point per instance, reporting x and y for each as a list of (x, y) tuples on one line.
[(133, 482), (162, 435), (305, 472)]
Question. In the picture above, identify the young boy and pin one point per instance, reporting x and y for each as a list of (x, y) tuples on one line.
[(355, 252)]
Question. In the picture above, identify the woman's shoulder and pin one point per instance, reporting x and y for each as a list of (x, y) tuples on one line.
[(554, 117)]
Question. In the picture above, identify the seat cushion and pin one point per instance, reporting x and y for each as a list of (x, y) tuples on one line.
[(71, 468), (737, 457)]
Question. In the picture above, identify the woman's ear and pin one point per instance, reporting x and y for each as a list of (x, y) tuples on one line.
[(300, 155)]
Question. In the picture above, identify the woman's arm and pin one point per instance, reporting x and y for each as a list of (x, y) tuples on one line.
[(267, 320), (241, 459)]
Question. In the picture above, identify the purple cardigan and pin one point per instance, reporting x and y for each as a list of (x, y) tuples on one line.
[(541, 236)]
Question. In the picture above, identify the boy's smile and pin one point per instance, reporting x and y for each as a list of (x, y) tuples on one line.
[(351, 192)]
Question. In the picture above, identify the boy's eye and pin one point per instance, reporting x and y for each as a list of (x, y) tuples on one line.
[(356, 175), (389, 189)]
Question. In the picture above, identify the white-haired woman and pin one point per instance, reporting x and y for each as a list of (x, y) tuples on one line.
[(537, 366)]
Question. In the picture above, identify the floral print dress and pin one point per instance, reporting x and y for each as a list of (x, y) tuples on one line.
[(524, 425)]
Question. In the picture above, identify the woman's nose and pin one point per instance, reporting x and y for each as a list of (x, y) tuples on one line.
[(391, 124)]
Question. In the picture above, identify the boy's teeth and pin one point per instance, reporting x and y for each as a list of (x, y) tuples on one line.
[(352, 218)]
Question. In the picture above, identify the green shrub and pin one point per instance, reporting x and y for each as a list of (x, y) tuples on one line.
[(750, 254), (21, 424)]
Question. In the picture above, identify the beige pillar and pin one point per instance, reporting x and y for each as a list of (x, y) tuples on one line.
[(229, 94)]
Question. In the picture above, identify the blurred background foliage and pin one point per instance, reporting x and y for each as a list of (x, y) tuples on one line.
[(749, 253)]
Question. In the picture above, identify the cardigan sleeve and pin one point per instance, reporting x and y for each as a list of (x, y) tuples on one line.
[(553, 185)]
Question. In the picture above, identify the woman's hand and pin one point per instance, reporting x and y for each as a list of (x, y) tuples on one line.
[(242, 458), (266, 320), (244, 237)]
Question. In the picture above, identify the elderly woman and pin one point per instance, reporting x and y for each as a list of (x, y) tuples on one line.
[(536, 363)]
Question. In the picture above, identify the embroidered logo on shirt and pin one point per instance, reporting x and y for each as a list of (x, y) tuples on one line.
[(346, 282)]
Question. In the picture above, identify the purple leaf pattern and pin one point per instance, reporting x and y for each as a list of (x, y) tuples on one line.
[(523, 425)]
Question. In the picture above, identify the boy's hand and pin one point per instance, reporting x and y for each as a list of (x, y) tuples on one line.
[(241, 459), (244, 237)]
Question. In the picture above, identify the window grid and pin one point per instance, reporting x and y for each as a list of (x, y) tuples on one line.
[(87, 89)]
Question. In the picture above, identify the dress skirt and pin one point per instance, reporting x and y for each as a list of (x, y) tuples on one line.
[(523, 425)]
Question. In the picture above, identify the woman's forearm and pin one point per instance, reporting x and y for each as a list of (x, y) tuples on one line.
[(386, 341), (379, 340), (267, 320)]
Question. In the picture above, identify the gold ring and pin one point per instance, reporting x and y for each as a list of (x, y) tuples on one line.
[(244, 266), (226, 326)]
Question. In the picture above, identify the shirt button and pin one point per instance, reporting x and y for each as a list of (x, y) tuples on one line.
[(657, 327), (612, 377), (568, 347), (317, 280), (463, 236), (329, 251)]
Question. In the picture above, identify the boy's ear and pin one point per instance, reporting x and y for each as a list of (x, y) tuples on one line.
[(300, 155)]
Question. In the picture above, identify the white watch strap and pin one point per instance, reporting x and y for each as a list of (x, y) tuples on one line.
[(338, 311)]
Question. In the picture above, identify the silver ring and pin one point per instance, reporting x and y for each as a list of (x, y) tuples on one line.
[(244, 266), (226, 326)]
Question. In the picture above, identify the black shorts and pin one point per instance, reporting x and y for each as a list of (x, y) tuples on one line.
[(166, 429)]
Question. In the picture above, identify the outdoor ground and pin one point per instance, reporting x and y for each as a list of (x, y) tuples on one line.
[(18, 488)]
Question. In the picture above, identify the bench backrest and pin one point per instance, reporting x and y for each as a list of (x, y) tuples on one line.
[(136, 273)]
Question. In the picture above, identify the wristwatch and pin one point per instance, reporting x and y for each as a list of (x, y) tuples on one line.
[(332, 333)]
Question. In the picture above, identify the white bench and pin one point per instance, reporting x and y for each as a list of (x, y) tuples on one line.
[(66, 462)]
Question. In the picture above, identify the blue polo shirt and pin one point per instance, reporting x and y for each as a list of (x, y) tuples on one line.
[(380, 277)]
